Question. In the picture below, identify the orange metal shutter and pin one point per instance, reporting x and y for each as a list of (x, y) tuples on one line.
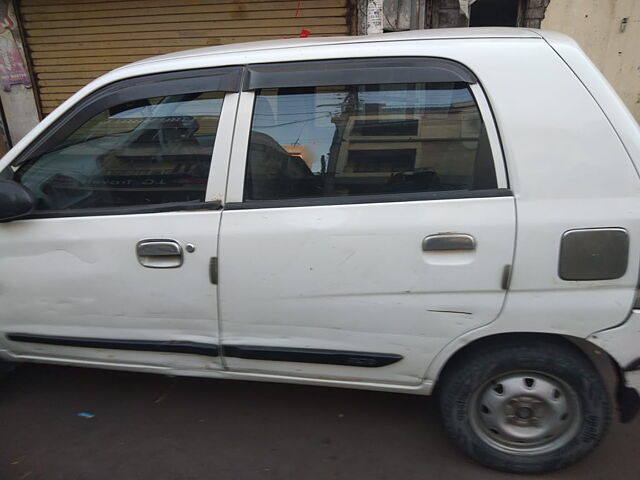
[(74, 41)]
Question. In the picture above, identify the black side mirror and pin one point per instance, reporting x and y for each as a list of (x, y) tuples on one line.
[(15, 200)]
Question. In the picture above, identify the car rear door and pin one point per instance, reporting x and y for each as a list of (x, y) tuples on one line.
[(368, 219), (112, 268)]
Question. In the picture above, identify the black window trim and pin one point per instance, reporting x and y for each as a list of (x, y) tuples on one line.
[(494, 123), (191, 206), (356, 71), (365, 199), (217, 79)]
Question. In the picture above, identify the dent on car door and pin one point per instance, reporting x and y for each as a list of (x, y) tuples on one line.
[(112, 266), (368, 219)]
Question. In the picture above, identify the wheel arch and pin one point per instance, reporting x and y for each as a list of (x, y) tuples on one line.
[(602, 361), (437, 369)]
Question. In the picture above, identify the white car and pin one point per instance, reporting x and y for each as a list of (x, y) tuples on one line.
[(452, 212)]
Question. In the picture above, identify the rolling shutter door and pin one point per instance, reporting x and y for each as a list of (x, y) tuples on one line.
[(72, 42)]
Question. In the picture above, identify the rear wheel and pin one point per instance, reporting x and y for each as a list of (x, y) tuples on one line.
[(5, 368), (535, 407)]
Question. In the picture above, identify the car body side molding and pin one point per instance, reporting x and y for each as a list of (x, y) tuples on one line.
[(251, 352), (208, 349), (311, 355)]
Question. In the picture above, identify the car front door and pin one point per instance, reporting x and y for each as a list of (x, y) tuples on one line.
[(112, 267), (368, 219)]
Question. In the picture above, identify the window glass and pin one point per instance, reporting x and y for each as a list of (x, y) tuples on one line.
[(145, 152), (366, 139)]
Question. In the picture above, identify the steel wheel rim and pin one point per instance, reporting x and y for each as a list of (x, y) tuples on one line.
[(525, 413)]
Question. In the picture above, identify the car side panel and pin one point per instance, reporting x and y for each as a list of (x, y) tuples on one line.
[(569, 170)]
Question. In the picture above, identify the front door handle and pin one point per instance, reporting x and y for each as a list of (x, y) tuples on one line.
[(444, 242), (159, 253)]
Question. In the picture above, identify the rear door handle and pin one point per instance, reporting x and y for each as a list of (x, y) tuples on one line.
[(443, 242), (161, 253)]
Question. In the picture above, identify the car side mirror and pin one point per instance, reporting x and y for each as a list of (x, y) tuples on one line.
[(15, 200)]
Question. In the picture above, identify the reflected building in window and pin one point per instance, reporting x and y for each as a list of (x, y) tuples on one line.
[(301, 152), (365, 140), (428, 148)]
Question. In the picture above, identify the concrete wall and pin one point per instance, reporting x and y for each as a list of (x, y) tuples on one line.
[(18, 100), (614, 46), (20, 110), (447, 14)]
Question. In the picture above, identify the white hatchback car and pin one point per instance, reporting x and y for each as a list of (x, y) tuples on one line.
[(449, 211)]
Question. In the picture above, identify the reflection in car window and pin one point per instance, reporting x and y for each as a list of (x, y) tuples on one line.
[(146, 152), (366, 139)]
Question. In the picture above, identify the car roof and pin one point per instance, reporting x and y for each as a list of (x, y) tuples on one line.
[(296, 43)]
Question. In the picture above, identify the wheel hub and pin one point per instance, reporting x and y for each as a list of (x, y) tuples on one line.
[(525, 412)]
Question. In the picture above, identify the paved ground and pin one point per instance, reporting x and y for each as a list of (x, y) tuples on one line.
[(153, 427)]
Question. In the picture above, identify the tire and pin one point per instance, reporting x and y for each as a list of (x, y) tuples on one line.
[(532, 408), (6, 368)]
